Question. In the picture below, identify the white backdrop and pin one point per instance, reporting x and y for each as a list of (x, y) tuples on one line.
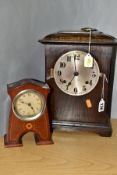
[(23, 22)]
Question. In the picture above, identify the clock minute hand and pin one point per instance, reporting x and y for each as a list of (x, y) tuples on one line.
[(76, 73), (75, 63), (29, 104)]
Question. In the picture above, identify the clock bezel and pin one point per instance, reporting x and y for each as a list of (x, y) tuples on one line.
[(54, 70), (33, 117)]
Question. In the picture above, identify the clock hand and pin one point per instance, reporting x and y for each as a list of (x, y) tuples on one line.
[(75, 63), (76, 73), (29, 104), (69, 83)]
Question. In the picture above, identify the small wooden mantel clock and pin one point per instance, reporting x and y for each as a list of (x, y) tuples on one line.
[(28, 112), (79, 68)]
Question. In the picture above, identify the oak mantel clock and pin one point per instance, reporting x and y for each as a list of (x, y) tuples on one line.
[(28, 112), (79, 68)]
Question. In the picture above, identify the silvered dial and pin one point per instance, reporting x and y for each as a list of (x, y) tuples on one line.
[(28, 105), (72, 77)]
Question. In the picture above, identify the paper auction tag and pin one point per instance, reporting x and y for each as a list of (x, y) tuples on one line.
[(88, 60), (101, 105)]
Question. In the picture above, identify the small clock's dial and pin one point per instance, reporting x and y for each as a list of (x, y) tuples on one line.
[(28, 105), (72, 77)]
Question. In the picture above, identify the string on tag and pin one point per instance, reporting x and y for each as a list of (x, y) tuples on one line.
[(104, 79), (101, 106), (89, 41), (88, 59)]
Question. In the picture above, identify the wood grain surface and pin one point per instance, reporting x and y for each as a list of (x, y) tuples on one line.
[(72, 153)]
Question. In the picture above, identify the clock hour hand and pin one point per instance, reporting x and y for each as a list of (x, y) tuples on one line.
[(29, 104), (69, 83)]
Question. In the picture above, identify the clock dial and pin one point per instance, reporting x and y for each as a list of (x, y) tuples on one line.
[(72, 77), (28, 105)]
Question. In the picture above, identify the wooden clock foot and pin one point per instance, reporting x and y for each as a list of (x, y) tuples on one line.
[(12, 143), (40, 141), (105, 133)]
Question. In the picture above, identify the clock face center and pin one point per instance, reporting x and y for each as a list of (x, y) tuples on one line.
[(29, 104), (76, 73)]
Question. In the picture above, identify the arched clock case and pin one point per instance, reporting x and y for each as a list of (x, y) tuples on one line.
[(72, 84), (28, 112)]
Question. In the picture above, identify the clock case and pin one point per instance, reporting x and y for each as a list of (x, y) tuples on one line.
[(70, 112), (18, 128)]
